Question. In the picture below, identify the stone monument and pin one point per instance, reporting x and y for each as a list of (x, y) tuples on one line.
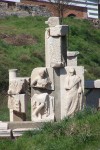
[(57, 89)]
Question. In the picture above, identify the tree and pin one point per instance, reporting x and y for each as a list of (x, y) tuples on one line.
[(60, 6)]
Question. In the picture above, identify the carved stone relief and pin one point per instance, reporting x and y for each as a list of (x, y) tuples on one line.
[(18, 102), (72, 89), (42, 106), (42, 78), (74, 93), (17, 86)]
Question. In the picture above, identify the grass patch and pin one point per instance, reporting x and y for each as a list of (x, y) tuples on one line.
[(69, 134)]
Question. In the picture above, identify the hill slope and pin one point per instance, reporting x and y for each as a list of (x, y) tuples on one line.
[(22, 45)]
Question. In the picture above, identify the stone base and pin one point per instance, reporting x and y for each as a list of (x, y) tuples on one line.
[(26, 124)]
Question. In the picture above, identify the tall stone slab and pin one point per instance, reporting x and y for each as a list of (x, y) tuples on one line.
[(71, 90), (42, 102), (55, 43)]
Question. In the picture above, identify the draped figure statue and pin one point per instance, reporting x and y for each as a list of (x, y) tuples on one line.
[(74, 93)]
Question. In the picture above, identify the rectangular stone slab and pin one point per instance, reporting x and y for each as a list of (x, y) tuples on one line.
[(63, 73), (5, 133), (22, 99), (3, 126), (24, 124), (59, 30)]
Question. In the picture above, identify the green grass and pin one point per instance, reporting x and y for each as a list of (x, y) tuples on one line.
[(25, 58), (81, 132), (83, 37)]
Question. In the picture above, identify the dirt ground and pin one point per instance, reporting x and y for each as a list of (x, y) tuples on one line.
[(18, 40)]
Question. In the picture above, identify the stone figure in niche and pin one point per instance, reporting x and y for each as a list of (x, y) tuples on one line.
[(41, 107), (42, 80), (74, 93)]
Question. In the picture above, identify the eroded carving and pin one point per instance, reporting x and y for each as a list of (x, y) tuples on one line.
[(42, 107), (14, 103), (18, 102), (42, 80), (74, 93), (17, 86), (55, 43)]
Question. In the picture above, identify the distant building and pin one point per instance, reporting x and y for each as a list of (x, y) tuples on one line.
[(78, 8), (93, 6)]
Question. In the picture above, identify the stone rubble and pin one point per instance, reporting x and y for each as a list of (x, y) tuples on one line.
[(22, 10)]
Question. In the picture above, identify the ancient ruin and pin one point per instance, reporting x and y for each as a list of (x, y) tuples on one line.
[(56, 89)]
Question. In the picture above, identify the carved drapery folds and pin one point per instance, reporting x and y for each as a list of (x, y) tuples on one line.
[(74, 93)]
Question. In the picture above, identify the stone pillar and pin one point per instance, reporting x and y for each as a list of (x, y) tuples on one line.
[(17, 96), (12, 74), (56, 43)]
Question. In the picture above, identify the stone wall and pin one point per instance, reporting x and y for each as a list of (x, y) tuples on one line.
[(78, 12), (23, 10), (30, 8)]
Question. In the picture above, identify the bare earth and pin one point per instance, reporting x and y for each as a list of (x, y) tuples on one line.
[(18, 40)]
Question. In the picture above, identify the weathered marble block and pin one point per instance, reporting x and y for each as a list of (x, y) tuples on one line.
[(53, 53), (53, 21), (45, 81), (3, 125), (18, 86), (18, 102), (79, 79), (59, 30), (56, 43), (72, 58), (42, 107)]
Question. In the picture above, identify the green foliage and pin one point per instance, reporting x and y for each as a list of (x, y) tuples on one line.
[(25, 57), (80, 132), (83, 37)]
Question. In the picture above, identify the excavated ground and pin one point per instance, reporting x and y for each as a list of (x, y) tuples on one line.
[(18, 40)]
